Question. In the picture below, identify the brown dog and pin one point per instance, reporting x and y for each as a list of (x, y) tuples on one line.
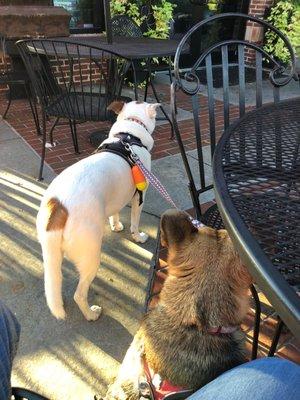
[(192, 335)]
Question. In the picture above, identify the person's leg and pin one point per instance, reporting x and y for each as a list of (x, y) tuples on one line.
[(264, 379), (9, 338)]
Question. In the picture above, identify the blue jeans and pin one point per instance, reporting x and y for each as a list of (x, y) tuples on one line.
[(263, 379), (9, 338)]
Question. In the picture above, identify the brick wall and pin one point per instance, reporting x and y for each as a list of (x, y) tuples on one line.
[(65, 69), (89, 71), (254, 32)]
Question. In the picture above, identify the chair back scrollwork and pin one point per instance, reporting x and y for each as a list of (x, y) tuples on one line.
[(223, 79)]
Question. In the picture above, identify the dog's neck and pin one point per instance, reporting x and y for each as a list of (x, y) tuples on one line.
[(222, 330), (134, 127), (138, 121)]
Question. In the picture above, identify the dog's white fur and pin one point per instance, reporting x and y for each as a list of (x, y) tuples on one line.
[(92, 190)]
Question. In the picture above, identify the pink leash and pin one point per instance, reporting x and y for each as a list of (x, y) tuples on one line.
[(155, 182)]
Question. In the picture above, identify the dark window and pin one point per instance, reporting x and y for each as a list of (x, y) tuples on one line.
[(188, 12), (86, 15)]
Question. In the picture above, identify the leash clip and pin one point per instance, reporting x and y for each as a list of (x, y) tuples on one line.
[(145, 390), (129, 148)]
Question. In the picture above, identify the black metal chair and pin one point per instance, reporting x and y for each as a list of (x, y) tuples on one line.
[(72, 81), (123, 26), (206, 85), (25, 394), (9, 77)]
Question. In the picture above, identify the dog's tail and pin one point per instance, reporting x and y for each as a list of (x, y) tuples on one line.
[(51, 222)]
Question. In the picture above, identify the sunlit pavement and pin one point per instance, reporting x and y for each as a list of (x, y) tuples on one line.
[(72, 358)]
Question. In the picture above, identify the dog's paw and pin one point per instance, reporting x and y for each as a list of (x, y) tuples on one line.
[(60, 314), (140, 237), (57, 310), (93, 313), (117, 227)]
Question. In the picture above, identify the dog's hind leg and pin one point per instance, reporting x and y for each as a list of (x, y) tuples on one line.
[(115, 223), (87, 265), (136, 210), (80, 296)]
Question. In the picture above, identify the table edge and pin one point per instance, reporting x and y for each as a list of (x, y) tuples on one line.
[(268, 279)]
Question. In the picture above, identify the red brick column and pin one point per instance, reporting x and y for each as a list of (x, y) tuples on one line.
[(254, 32)]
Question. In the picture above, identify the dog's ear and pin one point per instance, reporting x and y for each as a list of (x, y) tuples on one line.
[(151, 109), (175, 227), (116, 106)]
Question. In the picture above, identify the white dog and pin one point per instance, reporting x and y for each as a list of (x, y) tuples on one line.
[(77, 203)]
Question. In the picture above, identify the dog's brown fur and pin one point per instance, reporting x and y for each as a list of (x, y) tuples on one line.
[(116, 106), (207, 286), (57, 215)]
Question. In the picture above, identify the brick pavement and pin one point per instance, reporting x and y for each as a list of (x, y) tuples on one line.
[(63, 155)]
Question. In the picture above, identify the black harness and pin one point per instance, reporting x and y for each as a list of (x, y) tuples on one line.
[(119, 149)]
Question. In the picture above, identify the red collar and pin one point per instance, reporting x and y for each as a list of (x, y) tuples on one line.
[(160, 389), (138, 121), (222, 330)]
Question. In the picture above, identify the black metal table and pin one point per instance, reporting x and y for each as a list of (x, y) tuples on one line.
[(133, 49), (129, 47), (257, 187)]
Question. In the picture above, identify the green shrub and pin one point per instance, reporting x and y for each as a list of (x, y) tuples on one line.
[(285, 16), (162, 12)]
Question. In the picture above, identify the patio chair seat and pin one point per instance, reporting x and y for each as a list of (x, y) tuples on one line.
[(74, 81), (10, 77), (124, 26), (14, 77), (212, 218), (83, 107), (26, 394)]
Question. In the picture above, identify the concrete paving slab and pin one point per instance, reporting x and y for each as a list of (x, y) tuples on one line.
[(70, 359), (74, 358), (288, 91), (5, 133), (182, 115), (16, 153), (206, 155)]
